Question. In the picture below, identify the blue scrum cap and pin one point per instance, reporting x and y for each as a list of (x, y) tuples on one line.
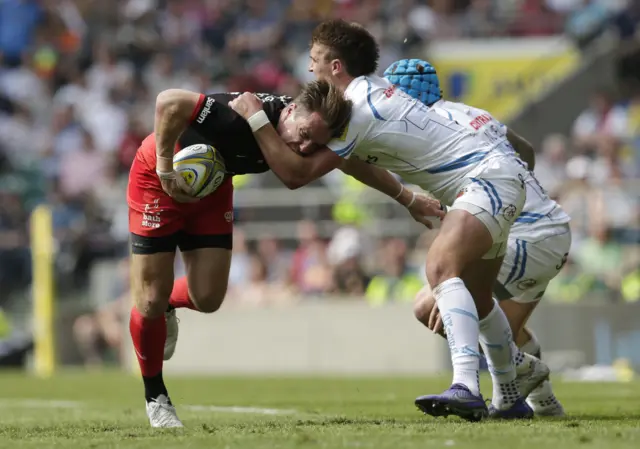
[(417, 78)]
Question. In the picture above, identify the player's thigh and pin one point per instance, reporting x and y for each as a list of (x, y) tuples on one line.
[(206, 247), (155, 223), (495, 200), (462, 239)]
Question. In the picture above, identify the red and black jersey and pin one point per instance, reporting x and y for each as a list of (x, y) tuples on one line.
[(215, 123)]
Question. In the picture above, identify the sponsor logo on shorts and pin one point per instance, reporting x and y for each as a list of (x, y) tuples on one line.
[(206, 110), (151, 221), (526, 284), (510, 212), (461, 192), (151, 216), (152, 208), (228, 216)]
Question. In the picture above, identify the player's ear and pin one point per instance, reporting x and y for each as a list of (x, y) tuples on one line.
[(336, 67), (289, 110)]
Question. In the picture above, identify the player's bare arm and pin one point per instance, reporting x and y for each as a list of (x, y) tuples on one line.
[(522, 147), (308, 124), (292, 169), (174, 108), (420, 206)]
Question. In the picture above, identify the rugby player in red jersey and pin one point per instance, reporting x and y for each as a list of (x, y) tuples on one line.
[(163, 217)]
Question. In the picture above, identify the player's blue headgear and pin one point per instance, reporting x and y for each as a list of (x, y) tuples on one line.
[(417, 78)]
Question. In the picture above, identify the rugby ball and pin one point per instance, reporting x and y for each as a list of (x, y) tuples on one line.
[(202, 168)]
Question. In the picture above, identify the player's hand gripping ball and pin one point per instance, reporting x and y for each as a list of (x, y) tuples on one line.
[(417, 78), (202, 168)]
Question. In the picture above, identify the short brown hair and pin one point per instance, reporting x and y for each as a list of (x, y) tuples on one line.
[(351, 43), (329, 102)]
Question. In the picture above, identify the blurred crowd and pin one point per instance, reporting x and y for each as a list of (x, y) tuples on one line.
[(595, 175), (78, 80)]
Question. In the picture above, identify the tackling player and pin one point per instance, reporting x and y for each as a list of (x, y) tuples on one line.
[(162, 217), (478, 176), (538, 243)]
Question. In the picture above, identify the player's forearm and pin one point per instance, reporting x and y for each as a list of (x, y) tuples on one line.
[(291, 168), (378, 179), (174, 110), (523, 148)]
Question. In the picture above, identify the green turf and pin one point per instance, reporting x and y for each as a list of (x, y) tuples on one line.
[(329, 413)]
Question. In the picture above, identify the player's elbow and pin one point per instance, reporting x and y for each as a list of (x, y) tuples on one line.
[(294, 182), (296, 179)]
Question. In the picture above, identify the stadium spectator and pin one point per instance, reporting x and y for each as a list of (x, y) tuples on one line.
[(345, 253), (602, 118), (550, 163), (396, 280), (310, 272)]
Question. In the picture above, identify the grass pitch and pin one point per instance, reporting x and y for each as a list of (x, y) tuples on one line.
[(106, 410)]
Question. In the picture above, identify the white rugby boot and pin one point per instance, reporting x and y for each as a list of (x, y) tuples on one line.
[(162, 414), (172, 334), (530, 374)]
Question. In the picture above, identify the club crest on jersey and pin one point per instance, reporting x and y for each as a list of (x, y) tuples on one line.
[(388, 92), (526, 284), (510, 212)]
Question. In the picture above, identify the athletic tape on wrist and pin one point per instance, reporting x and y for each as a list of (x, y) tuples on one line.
[(166, 174), (399, 193), (258, 120), (413, 200)]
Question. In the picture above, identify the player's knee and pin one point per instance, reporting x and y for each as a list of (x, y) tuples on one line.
[(210, 301), (441, 267), (423, 305), (152, 299)]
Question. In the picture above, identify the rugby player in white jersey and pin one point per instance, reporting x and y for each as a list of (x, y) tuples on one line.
[(478, 176), (538, 243)]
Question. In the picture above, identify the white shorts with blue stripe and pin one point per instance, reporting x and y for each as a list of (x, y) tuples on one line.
[(528, 266), (494, 193)]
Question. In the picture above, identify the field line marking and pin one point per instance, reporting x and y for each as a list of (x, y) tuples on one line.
[(237, 409), (39, 403)]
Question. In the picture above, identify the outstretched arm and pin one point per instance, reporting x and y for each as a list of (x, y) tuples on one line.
[(420, 206), (522, 147)]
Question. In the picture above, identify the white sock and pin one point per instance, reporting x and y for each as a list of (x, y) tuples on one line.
[(496, 341), (518, 355), (460, 320), (542, 396)]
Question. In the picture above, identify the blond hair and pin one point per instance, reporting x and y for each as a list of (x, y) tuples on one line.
[(329, 102)]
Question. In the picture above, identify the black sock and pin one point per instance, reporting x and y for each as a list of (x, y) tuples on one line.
[(154, 387), (170, 308)]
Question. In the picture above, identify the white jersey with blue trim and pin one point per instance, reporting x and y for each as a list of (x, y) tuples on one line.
[(425, 146), (540, 213)]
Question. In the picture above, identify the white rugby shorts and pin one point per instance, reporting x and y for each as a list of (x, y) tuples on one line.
[(529, 266), (495, 194)]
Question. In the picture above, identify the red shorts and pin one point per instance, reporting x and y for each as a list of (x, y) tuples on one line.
[(159, 224)]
